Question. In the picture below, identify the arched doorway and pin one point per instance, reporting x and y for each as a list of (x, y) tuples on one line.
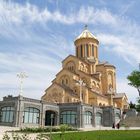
[(50, 118), (98, 119)]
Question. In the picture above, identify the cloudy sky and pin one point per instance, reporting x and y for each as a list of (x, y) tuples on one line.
[(36, 35)]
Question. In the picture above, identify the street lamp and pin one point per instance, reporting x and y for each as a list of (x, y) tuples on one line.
[(81, 84), (52, 117), (21, 76)]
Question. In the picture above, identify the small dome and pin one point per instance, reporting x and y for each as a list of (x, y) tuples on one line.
[(86, 34)]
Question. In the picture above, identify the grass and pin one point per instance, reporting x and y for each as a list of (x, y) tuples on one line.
[(100, 135)]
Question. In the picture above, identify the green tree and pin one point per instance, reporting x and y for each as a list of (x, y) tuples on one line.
[(134, 80), (138, 105), (132, 105)]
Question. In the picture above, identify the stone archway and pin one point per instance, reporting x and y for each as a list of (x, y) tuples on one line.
[(50, 118)]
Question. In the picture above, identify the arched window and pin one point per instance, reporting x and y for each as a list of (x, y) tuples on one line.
[(62, 81), (75, 90), (68, 117), (87, 49), (92, 50), (66, 81), (31, 115), (7, 114), (88, 118), (98, 119), (71, 66), (81, 51), (110, 79)]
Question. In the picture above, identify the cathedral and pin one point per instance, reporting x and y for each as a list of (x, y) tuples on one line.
[(83, 94), (84, 78)]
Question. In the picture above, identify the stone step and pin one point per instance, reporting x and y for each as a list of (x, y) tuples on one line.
[(131, 121)]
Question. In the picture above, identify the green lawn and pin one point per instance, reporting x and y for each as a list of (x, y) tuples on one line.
[(100, 135)]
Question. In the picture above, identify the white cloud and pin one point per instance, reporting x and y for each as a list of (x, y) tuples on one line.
[(123, 87), (23, 16), (19, 14), (16, 22), (127, 48)]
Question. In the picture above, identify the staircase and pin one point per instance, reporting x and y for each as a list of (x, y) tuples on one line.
[(131, 121)]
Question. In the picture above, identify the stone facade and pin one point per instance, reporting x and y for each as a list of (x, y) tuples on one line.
[(84, 115), (98, 79), (83, 94)]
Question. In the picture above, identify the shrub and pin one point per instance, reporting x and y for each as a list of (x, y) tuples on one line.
[(6, 137), (61, 128), (16, 136)]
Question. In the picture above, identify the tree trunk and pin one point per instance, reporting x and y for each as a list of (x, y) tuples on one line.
[(139, 92)]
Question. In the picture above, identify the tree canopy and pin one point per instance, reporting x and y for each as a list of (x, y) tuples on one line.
[(132, 105), (134, 80)]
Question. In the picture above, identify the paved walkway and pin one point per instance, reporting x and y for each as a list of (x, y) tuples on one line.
[(109, 128), (3, 129)]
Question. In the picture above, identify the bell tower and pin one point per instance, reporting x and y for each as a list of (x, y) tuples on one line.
[(87, 45)]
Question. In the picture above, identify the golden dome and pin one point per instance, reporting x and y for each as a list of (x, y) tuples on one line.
[(86, 34)]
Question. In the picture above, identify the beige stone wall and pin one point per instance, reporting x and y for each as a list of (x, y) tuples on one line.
[(99, 78)]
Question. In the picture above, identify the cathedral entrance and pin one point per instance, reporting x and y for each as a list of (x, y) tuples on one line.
[(50, 118)]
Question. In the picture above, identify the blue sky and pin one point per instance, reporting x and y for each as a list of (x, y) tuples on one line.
[(36, 35)]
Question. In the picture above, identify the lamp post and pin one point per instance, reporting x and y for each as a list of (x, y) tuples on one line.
[(21, 76), (81, 84), (52, 117)]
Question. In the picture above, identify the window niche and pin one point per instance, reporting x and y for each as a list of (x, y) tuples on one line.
[(64, 80), (31, 115), (7, 114), (71, 66)]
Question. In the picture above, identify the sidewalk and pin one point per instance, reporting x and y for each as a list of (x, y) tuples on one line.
[(3, 129), (108, 128)]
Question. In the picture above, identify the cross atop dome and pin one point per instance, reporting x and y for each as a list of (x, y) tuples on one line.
[(86, 26), (86, 34)]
